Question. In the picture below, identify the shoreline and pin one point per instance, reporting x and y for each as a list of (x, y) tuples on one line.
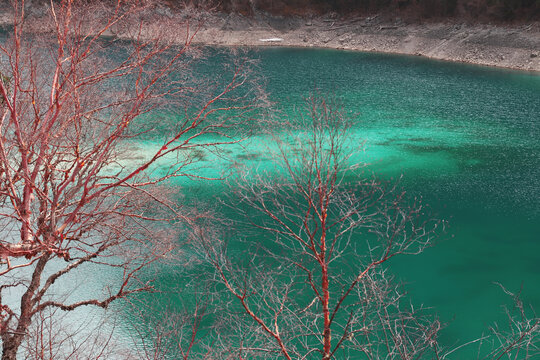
[(375, 52), (514, 47), (511, 47)]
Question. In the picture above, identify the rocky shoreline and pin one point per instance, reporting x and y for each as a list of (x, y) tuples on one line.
[(515, 47), (506, 46)]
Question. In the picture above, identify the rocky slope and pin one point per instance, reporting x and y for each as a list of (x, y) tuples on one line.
[(511, 46), (507, 45)]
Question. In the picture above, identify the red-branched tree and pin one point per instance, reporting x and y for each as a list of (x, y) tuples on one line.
[(72, 196), (314, 285), (311, 281)]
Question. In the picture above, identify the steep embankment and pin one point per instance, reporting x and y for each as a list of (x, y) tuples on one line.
[(511, 46)]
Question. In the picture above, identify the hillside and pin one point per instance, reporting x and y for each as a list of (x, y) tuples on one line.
[(409, 10), (453, 30)]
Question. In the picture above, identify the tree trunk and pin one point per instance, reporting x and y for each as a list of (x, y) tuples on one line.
[(326, 312), (327, 342), (10, 347), (11, 344)]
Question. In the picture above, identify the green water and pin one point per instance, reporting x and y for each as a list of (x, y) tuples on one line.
[(465, 138)]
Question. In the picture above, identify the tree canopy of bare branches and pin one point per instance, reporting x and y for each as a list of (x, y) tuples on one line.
[(70, 195), (315, 285), (306, 267)]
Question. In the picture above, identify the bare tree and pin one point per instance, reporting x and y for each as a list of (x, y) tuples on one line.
[(305, 267), (172, 330), (520, 338), (54, 335), (314, 285), (516, 337), (73, 197)]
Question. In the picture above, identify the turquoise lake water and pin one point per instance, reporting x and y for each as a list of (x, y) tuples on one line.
[(465, 138)]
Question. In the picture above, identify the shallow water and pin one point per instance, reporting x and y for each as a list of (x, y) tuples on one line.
[(463, 137)]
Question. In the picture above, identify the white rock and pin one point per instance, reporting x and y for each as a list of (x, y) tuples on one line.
[(271, 40)]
